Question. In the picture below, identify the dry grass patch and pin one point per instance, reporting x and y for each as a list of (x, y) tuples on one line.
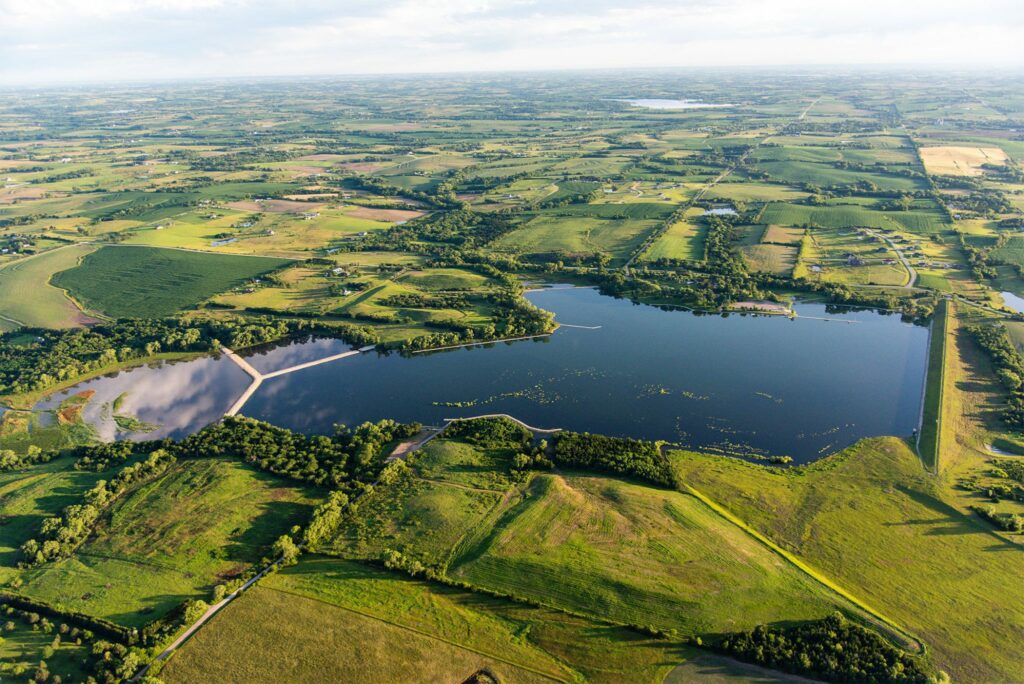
[(955, 160), (390, 215), (769, 258), (782, 235)]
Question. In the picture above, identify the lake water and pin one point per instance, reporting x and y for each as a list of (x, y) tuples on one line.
[(736, 383), (655, 103), (1012, 301), (177, 398)]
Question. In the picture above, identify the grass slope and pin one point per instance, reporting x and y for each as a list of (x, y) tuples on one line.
[(149, 282), (172, 539), (873, 521), (522, 641), (28, 496), (314, 641), (928, 443), (637, 555)]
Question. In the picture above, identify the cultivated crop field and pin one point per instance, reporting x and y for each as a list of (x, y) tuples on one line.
[(148, 283)]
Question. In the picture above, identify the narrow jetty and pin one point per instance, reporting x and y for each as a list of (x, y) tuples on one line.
[(258, 378)]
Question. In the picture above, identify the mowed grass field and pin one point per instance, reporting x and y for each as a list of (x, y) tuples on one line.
[(852, 216), (635, 554), (333, 620), (28, 298), (578, 235), (1012, 251), (204, 521), (149, 282), (683, 240), (872, 520)]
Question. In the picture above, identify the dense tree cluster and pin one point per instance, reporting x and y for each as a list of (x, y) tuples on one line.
[(329, 461), (61, 535), (10, 460), (832, 649), (1009, 522), (1009, 368), (326, 518), (416, 300), (490, 433), (618, 455), (105, 455)]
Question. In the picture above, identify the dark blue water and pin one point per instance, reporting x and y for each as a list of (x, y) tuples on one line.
[(768, 385), (739, 384)]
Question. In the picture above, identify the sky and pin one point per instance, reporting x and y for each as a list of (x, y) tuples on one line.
[(60, 41)]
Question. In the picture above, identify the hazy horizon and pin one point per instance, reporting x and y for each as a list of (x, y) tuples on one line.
[(62, 42)]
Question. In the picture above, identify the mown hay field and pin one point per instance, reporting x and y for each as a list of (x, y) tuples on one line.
[(28, 298)]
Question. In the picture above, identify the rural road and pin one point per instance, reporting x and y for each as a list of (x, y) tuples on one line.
[(911, 271), (642, 249)]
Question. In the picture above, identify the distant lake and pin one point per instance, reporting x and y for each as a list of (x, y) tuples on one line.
[(735, 383), (654, 103)]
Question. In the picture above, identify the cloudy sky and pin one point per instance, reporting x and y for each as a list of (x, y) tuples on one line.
[(45, 41)]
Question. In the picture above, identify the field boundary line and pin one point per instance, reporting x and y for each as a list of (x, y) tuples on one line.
[(428, 635), (804, 567)]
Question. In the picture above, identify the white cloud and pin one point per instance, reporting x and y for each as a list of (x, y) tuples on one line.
[(47, 40)]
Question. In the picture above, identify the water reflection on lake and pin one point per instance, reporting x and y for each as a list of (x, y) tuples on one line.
[(176, 398)]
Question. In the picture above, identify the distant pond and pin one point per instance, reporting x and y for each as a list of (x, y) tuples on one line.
[(735, 383), (655, 103)]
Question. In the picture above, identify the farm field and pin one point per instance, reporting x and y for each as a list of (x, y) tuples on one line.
[(851, 217), (31, 299), (582, 235), (149, 282), (960, 161)]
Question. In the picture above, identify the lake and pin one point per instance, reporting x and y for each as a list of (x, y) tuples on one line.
[(734, 383), (1012, 301), (655, 103)]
